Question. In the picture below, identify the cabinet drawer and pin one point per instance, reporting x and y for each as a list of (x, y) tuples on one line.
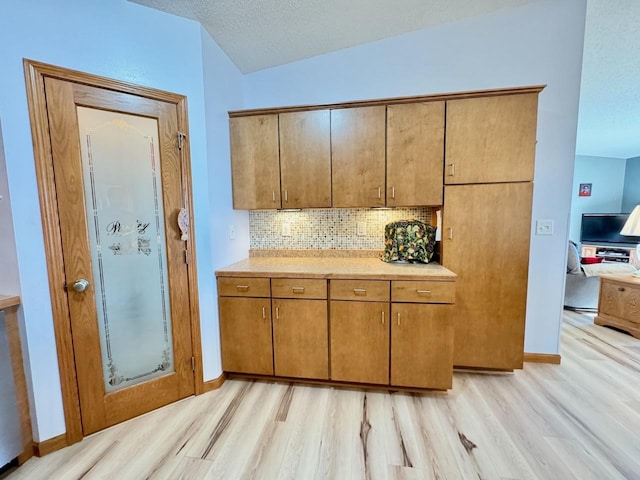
[(298, 288), (423, 291), (243, 287), (361, 290), (619, 300)]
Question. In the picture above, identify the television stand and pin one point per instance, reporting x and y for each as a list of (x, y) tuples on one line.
[(612, 253)]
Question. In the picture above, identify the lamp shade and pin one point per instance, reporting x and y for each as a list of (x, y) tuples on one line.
[(632, 226)]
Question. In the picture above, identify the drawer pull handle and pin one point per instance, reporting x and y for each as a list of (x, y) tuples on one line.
[(242, 288), (360, 291), (621, 289), (277, 313), (452, 169), (264, 313), (297, 289), (383, 318), (422, 291), (398, 318)]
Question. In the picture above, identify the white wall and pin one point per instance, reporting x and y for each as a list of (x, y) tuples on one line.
[(631, 193), (536, 44), (223, 92), (128, 42), (606, 176)]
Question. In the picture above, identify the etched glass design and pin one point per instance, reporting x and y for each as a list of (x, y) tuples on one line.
[(123, 197)]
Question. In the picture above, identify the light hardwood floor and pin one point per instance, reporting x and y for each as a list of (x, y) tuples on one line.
[(577, 420)]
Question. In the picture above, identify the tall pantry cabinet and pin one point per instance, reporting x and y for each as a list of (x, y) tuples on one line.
[(489, 160)]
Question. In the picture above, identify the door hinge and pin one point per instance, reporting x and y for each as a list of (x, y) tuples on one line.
[(181, 137), (193, 364)]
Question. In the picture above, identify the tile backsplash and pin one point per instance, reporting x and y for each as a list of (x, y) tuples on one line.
[(328, 228)]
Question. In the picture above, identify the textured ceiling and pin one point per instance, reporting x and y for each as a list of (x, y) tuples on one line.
[(258, 34), (609, 119), (266, 33)]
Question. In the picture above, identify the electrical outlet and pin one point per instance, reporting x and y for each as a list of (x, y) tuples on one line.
[(232, 232), (544, 227), (361, 229), (286, 229)]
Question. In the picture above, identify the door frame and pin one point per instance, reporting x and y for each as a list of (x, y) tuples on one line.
[(35, 74)]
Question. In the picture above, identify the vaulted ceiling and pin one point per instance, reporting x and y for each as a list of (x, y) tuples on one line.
[(262, 34)]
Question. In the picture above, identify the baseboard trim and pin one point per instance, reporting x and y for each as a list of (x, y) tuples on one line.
[(27, 453), (215, 384), (40, 449), (552, 358)]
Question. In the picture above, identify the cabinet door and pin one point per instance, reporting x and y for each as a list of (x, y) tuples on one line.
[(491, 139), (255, 162), (245, 335), (300, 338), (421, 345), (360, 341), (358, 156), (415, 154), (486, 233), (305, 159)]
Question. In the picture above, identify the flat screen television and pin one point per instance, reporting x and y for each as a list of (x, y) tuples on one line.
[(605, 228)]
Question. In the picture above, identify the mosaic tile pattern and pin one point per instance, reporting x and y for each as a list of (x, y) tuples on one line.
[(330, 228)]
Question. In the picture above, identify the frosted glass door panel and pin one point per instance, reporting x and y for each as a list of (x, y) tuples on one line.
[(123, 197)]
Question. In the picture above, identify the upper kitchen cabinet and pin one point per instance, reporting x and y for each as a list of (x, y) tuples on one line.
[(305, 159), (255, 162), (415, 154), (358, 156), (491, 139)]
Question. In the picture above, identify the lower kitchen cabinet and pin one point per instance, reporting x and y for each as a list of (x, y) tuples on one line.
[(421, 345), (245, 335), (396, 333), (300, 338), (360, 341)]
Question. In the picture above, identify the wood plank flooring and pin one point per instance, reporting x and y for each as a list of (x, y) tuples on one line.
[(578, 420)]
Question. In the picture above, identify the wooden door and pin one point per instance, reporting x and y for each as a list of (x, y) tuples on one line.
[(491, 139), (358, 156), (359, 341), (415, 154), (305, 159), (255, 162), (245, 335), (421, 345), (119, 186), (485, 240), (300, 338)]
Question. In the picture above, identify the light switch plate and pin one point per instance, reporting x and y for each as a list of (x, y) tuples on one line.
[(361, 229), (544, 227)]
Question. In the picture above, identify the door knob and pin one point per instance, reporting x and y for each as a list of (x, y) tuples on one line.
[(80, 285)]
